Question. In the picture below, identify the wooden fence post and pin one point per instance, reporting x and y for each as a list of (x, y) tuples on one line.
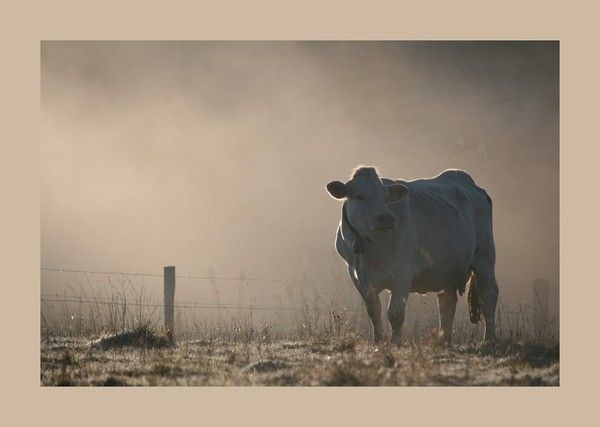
[(540, 305), (169, 299), (241, 289)]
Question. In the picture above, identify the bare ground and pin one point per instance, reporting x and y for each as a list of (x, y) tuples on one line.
[(317, 361)]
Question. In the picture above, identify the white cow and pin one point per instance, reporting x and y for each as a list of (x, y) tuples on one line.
[(425, 235)]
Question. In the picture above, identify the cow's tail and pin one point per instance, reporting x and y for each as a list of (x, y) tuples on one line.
[(473, 300)]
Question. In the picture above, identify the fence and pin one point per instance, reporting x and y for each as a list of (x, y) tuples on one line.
[(535, 316), (175, 311), (169, 278)]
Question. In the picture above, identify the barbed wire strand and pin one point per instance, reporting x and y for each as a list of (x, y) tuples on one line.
[(188, 276), (177, 305)]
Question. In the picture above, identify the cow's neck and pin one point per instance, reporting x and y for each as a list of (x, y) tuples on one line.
[(360, 242)]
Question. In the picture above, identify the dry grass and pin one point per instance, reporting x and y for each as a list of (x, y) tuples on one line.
[(324, 360), (142, 336), (116, 339)]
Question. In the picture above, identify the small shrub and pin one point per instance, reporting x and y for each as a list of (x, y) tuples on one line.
[(141, 337)]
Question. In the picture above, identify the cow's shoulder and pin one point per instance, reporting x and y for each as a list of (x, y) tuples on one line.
[(443, 195), (457, 175), (448, 177), (452, 185)]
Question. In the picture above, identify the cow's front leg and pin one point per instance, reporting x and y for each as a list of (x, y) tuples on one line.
[(396, 311), (371, 299)]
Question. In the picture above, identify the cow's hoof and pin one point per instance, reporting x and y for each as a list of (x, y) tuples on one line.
[(396, 340), (442, 343), (490, 342), (378, 339), (442, 340)]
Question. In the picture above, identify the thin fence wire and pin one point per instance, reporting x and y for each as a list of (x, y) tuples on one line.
[(179, 305), (194, 305), (191, 276), (513, 314)]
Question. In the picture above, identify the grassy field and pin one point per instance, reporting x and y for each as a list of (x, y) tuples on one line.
[(115, 339), (322, 360)]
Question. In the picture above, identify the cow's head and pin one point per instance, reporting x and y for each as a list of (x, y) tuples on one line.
[(367, 200)]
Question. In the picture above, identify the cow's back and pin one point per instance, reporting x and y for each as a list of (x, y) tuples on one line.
[(451, 193), (447, 212)]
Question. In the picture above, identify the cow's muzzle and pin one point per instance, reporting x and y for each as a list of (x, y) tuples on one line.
[(386, 222)]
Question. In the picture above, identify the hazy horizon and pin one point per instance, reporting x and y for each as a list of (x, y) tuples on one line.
[(215, 155)]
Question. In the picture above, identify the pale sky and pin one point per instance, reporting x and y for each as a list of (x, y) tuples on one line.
[(200, 154)]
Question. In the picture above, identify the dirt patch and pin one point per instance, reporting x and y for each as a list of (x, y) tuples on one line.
[(533, 354), (266, 366), (142, 337)]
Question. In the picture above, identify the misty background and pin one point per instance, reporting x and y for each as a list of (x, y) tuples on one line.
[(214, 156)]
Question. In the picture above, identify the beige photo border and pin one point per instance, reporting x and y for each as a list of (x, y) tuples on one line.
[(25, 24)]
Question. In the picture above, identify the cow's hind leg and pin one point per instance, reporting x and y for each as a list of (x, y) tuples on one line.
[(447, 306), (487, 290), (484, 265)]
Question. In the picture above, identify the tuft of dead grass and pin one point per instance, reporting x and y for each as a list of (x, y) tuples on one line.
[(140, 337)]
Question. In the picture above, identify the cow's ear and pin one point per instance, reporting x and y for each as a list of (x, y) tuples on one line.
[(337, 189), (397, 192)]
